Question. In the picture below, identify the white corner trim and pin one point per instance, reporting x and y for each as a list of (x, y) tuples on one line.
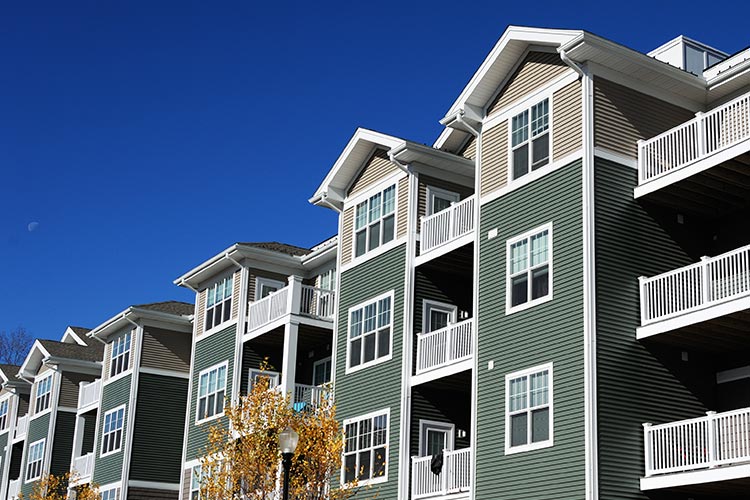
[(374, 253), (606, 154)]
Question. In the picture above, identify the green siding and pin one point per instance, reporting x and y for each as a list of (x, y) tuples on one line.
[(211, 351), (159, 429), (548, 332), (4, 454), (377, 387), (38, 429), (109, 469), (637, 382), (62, 447)]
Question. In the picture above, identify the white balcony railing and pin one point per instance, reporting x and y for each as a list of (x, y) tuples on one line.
[(706, 134), (455, 476), (83, 466), (718, 439), (88, 393), (295, 298), (22, 427), (14, 489), (711, 281), (447, 225), (445, 346), (311, 395)]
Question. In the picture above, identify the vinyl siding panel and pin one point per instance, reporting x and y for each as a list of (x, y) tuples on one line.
[(62, 448), (425, 180), (470, 149), (69, 388), (402, 217), (159, 429), (377, 387), (637, 381), (376, 169), (536, 70), (347, 236), (38, 429), (236, 281), (494, 158), (547, 332), (211, 351), (109, 469), (166, 349), (622, 116), (23, 404), (151, 494), (567, 121), (200, 313)]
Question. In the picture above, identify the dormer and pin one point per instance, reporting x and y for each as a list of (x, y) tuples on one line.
[(689, 55)]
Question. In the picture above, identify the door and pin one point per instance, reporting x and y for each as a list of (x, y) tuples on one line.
[(440, 199), (265, 287), (437, 315), (434, 437)]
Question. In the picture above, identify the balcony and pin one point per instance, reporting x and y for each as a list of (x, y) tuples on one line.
[(714, 287), (699, 450), (22, 427), (296, 298), (718, 137), (443, 231), (453, 479), (447, 347), (14, 489), (88, 395), (306, 396), (83, 467)]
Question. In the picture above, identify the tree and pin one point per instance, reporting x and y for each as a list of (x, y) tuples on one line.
[(242, 458), (15, 345), (54, 487)]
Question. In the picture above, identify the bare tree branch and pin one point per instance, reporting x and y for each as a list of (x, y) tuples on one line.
[(15, 345)]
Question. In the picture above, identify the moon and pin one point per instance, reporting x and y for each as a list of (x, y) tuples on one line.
[(33, 226)]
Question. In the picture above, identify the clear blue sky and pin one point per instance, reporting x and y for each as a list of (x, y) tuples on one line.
[(145, 137)]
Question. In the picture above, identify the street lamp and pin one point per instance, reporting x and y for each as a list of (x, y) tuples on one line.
[(287, 443)]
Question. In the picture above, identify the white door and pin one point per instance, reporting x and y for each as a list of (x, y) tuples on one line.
[(434, 437)]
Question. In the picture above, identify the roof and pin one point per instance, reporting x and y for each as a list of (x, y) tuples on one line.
[(170, 307), (275, 246), (80, 330), (9, 370), (92, 352)]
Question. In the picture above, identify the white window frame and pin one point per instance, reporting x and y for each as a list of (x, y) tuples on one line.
[(216, 415), (355, 420), (112, 433), (195, 482), (4, 404), (349, 369), (509, 450), (226, 301), (442, 193), (48, 394), (329, 275), (509, 309), (379, 220), (428, 425), (125, 369), (529, 139), (318, 364), (114, 492), (40, 461), (430, 305), (273, 375), (260, 282)]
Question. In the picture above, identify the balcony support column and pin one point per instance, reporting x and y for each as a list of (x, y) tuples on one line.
[(712, 435), (80, 428), (289, 366), (294, 298)]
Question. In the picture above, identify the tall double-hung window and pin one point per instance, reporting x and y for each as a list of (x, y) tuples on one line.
[(530, 141), (35, 460), (43, 394), (212, 384), (370, 327), (120, 354), (366, 448), (375, 221), (219, 303), (112, 435), (528, 416), (529, 268)]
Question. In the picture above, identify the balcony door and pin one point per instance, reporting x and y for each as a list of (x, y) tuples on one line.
[(264, 287), (322, 372), (440, 199), (434, 437), (437, 315)]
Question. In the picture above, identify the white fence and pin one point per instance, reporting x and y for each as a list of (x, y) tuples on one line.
[(311, 395), (444, 226), (14, 488), (22, 427), (705, 442), (704, 135), (84, 466), (267, 309), (317, 302), (445, 346), (711, 281), (295, 298), (455, 476), (88, 393)]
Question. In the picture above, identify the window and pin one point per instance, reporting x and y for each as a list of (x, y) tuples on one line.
[(439, 199), (110, 494), (195, 483), (322, 371), (530, 135), (272, 377), (265, 287), (529, 268), (366, 448), (370, 332), (112, 435), (434, 437), (43, 394), (437, 315), (219, 303), (528, 416), (120, 354), (375, 221), (211, 387), (34, 460), (4, 414)]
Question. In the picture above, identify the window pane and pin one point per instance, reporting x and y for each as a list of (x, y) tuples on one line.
[(539, 388), (370, 316), (380, 430), (539, 118), (389, 224), (360, 219), (365, 433), (228, 289), (519, 290), (539, 248), (435, 442), (361, 243), (356, 324), (227, 309), (520, 161), (518, 253), (384, 312), (518, 394), (518, 429), (520, 131), (384, 342), (540, 425), (438, 320), (364, 465), (539, 151), (355, 358), (211, 296), (389, 200), (378, 465), (540, 282), (350, 467), (374, 213), (369, 347), (374, 236)]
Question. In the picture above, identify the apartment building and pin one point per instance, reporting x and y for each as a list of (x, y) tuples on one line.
[(256, 303), (551, 301), (14, 407)]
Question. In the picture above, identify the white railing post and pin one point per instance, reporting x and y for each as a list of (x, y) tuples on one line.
[(700, 132), (294, 298), (644, 298), (648, 449), (712, 435), (446, 472), (641, 161), (705, 280)]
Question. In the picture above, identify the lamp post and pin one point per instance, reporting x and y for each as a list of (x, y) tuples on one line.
[(287, 443)]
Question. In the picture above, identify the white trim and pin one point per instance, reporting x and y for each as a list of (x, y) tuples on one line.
[(370, 415), (260, 281), (154, 485), (447, 427), (443, 371), (164, 373), (509, 309), (50, 393), (701, 315), (509, 450), (218, 328), (724, 473), (621, 159), (428, 305), (368, 223), (454, 244), (529, 140), (217, 366), (123, 430), (130, 352), (726, 376), (374, 253), (25, 463), (355, 200), (188, 427), (432, 191), (374, 300)]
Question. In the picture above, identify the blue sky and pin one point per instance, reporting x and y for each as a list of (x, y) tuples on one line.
[(138, 139)]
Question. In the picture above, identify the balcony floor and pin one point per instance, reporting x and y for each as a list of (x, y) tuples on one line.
[(732, 481)]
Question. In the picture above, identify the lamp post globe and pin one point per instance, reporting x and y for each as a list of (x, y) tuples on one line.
[(288, 440)]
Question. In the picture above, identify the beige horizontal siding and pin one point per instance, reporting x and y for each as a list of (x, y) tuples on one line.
[(494, 158), (236, 293), (566, 120), (425, 180), (537, 69), (622, 116), (346, 237), (166, 349), (186, 479), (402, 217), (200, 315), (377, 168), (107, 361), (470, 149), (69, 388)]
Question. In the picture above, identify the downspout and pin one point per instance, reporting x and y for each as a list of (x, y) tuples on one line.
[(591, 433)]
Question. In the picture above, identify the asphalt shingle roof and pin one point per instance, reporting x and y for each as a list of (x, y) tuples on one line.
[(9, 370), (275, 246), (170, 306), (91, 352), (80, 330)]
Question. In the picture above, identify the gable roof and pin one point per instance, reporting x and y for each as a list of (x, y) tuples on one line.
[(177, 314), (64, 350), (275, 246), (8, 372), (170, 306)]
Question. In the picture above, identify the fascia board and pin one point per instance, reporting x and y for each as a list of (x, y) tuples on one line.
[(189, 276), (36, 348)]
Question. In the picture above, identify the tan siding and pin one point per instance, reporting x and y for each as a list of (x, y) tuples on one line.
[(235, 294), (186, 484), (470, 149), (402, 217), (622, 116), (346, 237), (69, 388), (538, 69), (377, 168), (166, 349), (424, 181), (494, 158), (107, 361), (566, 121), (200, 315)]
